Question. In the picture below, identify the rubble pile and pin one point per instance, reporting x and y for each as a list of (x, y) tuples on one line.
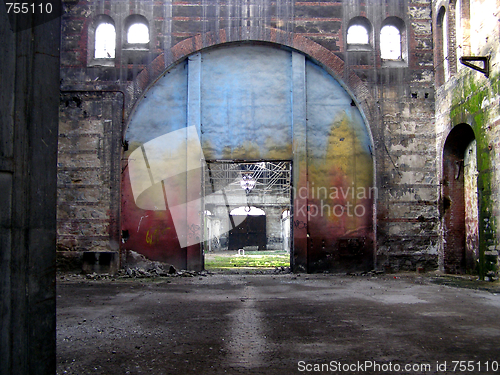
[(138, 266), (282, 269)]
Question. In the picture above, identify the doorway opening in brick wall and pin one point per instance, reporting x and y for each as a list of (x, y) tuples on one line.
[(460, 202), (247, 215)]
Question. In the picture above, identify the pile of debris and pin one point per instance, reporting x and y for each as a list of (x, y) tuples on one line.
[(282, 269), (138, 266), (139, 272), (134, 265)]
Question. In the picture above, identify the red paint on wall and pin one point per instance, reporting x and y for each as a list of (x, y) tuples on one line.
[(150, 232), (340, 204), (340, 228)]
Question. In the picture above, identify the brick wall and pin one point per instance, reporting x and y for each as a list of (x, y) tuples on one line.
[(397, 100)]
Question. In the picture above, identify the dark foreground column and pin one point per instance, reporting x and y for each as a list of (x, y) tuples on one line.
[(29, 98)]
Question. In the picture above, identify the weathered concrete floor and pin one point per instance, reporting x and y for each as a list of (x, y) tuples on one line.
[(264, 324)]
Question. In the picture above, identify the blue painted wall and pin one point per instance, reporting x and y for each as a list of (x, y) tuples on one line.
[(163, 108), (246, 103), (241, 100)]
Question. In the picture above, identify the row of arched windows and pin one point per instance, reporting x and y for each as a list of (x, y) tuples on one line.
[(136, 35), (360, 34)]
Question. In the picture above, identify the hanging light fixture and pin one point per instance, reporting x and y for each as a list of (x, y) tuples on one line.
[(247, 183)]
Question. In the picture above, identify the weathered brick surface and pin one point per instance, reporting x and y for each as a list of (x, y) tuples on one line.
[(398, 102), (468, 97), (88, 163)]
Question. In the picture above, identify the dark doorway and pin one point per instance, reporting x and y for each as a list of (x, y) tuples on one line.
[(250, 232), (459, 201)]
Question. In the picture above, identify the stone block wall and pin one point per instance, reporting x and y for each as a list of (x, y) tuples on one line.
[(89, 165), (397, 100)]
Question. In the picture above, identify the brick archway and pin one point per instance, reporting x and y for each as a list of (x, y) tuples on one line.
[(459, 218), (333, 64), (321, 55), (309, 113)]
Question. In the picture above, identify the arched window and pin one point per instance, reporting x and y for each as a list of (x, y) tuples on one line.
[(357, 34), (253, 211), (458, 31), (443, 67), (390, 43), (138, 33), (105, 41), (444, 41), (393, 42)]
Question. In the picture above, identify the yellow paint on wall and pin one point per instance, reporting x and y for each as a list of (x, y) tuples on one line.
[(343, 177)]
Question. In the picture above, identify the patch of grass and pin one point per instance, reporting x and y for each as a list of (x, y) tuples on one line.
[(251, 259), (467, 283)]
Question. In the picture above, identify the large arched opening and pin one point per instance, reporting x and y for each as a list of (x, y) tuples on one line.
[(250, 104)]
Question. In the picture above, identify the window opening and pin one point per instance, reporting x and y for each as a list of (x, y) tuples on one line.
[(138, 33), (444, 39), (441, 46), (390, 43), (246, 210), (105, 41), (357, 34)]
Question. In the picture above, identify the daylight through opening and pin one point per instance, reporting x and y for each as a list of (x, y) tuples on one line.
[(249, 222), (138, 33), (390, 43), (105, 41)]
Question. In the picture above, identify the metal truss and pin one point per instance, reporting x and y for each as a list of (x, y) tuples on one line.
[(267, 177)]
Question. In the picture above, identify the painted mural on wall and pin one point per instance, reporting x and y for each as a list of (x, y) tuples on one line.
[(340, 175), (237, 103)]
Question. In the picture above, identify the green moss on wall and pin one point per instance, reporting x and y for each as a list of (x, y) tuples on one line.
[(469, 97)]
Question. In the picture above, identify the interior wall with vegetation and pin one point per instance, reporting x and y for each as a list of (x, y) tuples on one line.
[(472, 97)]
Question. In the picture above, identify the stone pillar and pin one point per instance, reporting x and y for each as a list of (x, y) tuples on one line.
[(299, 167), (29, 100), (194, 256), (273, 228)]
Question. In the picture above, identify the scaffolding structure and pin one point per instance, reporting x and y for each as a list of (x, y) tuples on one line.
[(266, 177)]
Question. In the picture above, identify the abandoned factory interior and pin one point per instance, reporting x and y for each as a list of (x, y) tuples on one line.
[(345, 147), (349, 135)]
